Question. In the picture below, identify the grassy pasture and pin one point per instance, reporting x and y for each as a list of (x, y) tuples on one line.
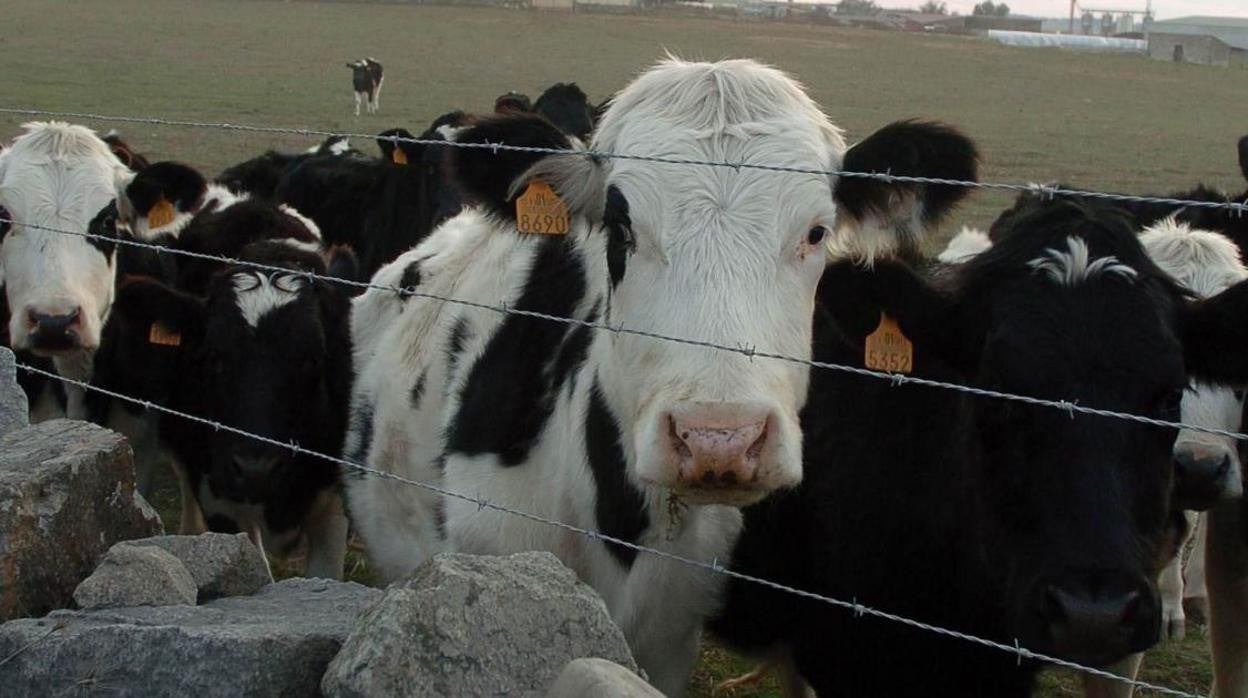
[(1120, 123)]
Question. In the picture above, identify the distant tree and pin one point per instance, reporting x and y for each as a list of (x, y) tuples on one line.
[(987, 7), (857, 7), (934, 7), (1003, 10)]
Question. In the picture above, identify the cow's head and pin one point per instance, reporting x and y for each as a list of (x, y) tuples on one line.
[(162, 200), (264, 351), (1073, 509), (567, 107), (59, 286), (1206, 466), (724, 255)]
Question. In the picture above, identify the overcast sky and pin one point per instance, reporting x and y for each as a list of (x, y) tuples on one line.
[(1164, 9)]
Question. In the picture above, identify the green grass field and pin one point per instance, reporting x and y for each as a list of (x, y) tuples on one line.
[(1121, 123)]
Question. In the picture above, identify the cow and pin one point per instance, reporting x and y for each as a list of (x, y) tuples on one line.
[(567, 107), (379, 208), (58, 287), (260, 175), (1021, 524), (124, 152), (366, 79), (1206, 263), (656, 443), (258, 349)]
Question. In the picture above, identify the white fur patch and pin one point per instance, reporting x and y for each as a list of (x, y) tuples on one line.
[(1074, 265), (1203, 261), (257, 294), (966, 245)]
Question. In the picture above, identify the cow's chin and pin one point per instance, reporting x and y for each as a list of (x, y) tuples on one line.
[(723, 496)]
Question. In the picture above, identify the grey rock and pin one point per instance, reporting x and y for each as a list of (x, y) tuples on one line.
[(599, 678), (66, 496), (137, 576), (476, 625), (14, 408), (275, 643), (221, 564)]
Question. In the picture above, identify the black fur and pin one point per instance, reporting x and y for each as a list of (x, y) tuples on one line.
[(179, 184), (418, 390), (485, 176), (956, 510), (566, 106), (620, 240), (620, 510), (912, 149), (125, 153), (511, 388), (512, 103)]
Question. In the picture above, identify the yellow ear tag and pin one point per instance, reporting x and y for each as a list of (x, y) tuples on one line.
[(887, 349), (398, 156), (159, 334), (540, 210), (160, 214)]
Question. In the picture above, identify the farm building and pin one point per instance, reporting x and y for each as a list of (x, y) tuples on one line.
[(1216, 41)]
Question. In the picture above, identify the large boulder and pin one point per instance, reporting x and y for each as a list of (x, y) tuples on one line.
[(14, 407), (137, 576), (598, 678), (275, 643), (221, 564), (66, 495), (476, 625)]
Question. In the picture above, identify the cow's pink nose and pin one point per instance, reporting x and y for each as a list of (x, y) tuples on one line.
[(719, 450)]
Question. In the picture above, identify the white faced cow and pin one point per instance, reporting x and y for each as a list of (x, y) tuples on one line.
[(59, 287), (653, 442), (366, 79)]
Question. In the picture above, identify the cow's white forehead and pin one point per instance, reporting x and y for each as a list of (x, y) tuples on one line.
[(257, 293), (1075, 264)]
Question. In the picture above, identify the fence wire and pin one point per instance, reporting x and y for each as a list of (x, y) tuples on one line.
[(897, 379), (714, 566), (1238, 208)]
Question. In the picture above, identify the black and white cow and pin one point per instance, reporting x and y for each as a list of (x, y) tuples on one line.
[(263, 351), (1007, 521), (260, 175), (58, 287), (380, 208), (653, 442), (366, 79)]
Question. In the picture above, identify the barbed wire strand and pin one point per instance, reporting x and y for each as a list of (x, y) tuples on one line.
[(714, 566), (1239, 208), (897, 379)]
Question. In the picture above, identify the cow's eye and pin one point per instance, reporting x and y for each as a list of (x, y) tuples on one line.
[(816, 235)]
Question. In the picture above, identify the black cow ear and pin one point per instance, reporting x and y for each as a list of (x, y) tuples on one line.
[(854, 296), (881, 216), (342, 263), (164, 189), (169, 316), (1215, 332), (1243, 156), (493, 178)]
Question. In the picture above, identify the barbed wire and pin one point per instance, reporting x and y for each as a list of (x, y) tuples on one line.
[(897, 379), (713, 566), (1050, 191)]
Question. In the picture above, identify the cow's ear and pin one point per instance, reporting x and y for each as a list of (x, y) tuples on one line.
[(878, 217), (854, 297), (162, 191), (342, 263), (495, 178), (1215, 332), (170, 317), (1243, 156)]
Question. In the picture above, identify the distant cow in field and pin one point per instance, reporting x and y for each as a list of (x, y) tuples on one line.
[(366, 79)]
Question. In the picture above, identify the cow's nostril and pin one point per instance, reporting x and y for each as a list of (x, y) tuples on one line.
[(728, 479)]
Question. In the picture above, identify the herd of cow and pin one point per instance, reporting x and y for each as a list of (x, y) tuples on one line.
[(1054, 530)]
